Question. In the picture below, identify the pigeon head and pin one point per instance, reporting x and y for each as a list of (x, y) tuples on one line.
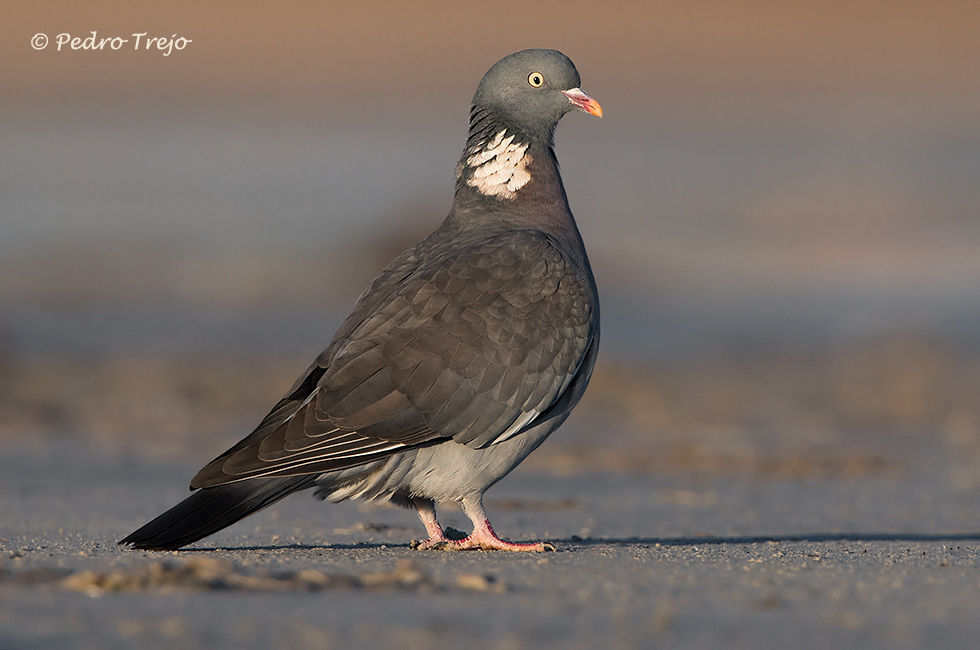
[(512, 125), (531, 90)]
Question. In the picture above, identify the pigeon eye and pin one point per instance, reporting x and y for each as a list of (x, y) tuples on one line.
[(535, 79)]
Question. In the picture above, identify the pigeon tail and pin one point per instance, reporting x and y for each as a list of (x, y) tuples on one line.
[(211, 509)]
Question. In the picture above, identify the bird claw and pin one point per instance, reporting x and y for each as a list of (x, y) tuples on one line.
[(472, 544), (431, 545)]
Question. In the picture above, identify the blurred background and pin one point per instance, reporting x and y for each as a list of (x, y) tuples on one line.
[(782, 207)]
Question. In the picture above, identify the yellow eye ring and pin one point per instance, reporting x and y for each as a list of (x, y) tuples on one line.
[(536, 79)]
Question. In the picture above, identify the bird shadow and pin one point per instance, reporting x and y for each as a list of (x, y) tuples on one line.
[(575, 542), (358, 546), (703, 540)]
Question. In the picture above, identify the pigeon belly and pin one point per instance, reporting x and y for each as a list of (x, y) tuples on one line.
[(444, 473)]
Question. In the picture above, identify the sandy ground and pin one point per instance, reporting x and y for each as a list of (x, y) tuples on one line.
[(679, 522), (643, 560)]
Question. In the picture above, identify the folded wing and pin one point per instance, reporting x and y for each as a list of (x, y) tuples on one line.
[(469, 345)]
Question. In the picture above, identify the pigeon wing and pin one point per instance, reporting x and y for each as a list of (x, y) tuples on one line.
[(470, 342)]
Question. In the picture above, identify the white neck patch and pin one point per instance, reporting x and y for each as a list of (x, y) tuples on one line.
[(499, 166)]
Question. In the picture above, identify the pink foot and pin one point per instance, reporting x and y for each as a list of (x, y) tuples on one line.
[(483, 539), (427, 513), (433, 543)]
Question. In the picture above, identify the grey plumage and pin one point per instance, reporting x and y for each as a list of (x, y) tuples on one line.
[(461, 357)]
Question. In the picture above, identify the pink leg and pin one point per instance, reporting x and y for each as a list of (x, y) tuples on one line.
[(482, 538), (427, 513)]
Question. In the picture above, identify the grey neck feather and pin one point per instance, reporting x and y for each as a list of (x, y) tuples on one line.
[(538, 203), (500, 149)]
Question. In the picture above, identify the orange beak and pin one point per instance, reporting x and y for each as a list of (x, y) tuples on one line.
[(583, 102)]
